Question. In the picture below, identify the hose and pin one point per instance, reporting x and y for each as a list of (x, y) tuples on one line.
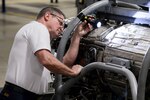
[(65, 37)]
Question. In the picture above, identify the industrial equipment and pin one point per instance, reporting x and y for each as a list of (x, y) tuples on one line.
[(115, 56)]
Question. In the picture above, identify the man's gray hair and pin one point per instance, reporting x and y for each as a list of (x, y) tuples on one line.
[(51, 10)]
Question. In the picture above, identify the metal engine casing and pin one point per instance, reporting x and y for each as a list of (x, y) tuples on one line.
[(123, 39), (124, 45), (128, 41)]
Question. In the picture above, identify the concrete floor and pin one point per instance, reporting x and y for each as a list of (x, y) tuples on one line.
[(20, 12)]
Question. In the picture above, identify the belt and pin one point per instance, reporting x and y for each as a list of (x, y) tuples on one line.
[(18, 89)]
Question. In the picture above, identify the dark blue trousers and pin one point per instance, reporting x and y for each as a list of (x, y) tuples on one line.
[(13, 92)]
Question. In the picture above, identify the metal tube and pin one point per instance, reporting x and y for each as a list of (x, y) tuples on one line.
[(99, 65), (143, 76)]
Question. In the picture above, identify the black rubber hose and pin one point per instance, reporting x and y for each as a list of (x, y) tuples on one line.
[(143, 76)]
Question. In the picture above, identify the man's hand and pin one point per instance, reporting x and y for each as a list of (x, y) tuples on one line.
[(83, 28), (77, 69)]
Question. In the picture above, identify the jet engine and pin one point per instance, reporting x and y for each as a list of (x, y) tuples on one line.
[(121, 41)]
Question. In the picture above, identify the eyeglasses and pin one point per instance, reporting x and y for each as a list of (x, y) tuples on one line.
[(60, 20)]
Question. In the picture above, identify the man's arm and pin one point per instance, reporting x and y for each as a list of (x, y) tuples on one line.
[(72, 52), (54, 65)]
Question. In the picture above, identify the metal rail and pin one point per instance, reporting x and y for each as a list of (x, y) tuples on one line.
[(99, 65)]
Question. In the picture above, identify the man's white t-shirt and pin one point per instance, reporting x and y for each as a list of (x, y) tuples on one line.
[(24, 68)]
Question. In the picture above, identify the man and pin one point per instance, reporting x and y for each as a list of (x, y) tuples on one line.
[(30, 59)]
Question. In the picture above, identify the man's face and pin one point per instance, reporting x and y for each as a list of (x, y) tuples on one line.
[(56, 25)]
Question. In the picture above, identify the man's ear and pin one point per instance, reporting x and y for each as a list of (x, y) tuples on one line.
[(46, 16)]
